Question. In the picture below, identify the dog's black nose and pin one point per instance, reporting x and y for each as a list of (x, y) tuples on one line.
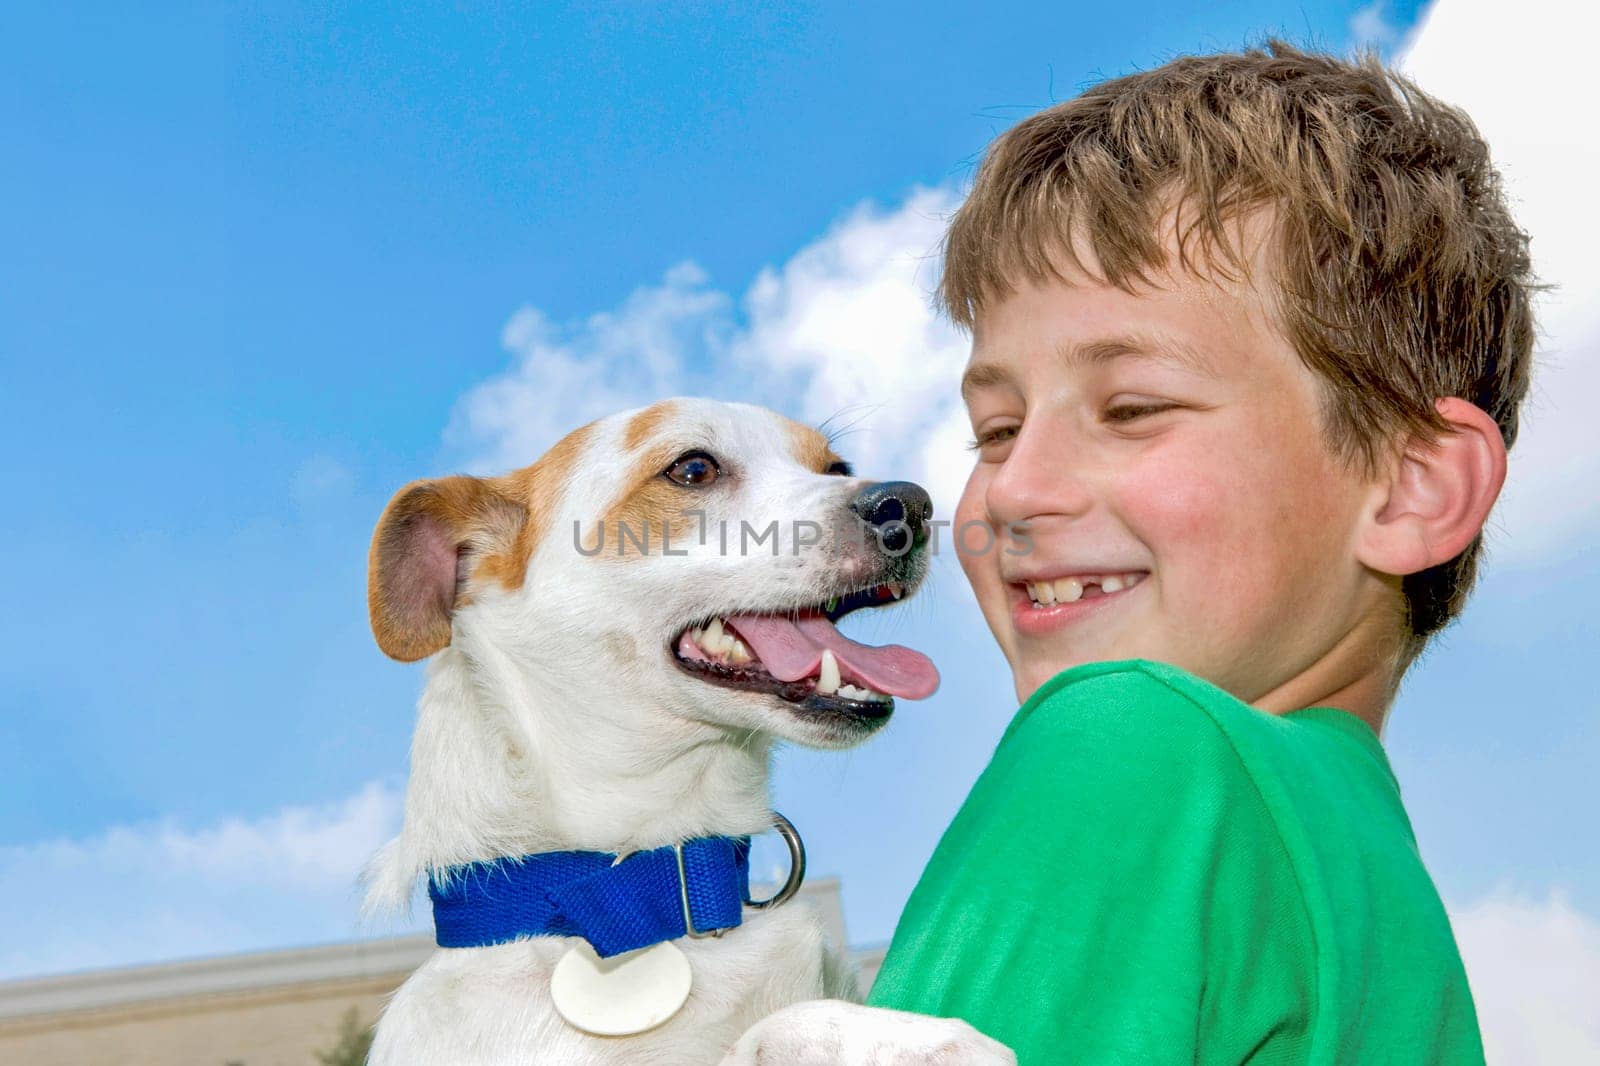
[(897, 510)]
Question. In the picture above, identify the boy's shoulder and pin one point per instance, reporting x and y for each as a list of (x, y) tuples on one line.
[(1158, 707), (1110, 685), (1144, 729), (1179, 848), (1310, 794)]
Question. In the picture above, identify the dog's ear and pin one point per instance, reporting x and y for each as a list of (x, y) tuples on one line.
[(422, 553)]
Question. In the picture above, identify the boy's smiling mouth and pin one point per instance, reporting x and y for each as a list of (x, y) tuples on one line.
[(1042, 604)]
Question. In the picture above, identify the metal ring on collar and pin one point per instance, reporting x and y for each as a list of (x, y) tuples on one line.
[(683, 889), (797, 864)]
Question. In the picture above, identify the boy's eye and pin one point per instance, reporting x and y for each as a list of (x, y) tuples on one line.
[(992, 436), (1127, 412)]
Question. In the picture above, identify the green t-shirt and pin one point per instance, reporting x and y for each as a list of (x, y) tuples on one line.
[(1150, 871)]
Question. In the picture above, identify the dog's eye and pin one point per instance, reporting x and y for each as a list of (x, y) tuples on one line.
[(842, 468), (695, 469)]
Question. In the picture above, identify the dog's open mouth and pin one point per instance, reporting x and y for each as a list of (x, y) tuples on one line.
[(802, 657)]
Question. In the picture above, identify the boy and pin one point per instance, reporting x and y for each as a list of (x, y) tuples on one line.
[(1250, 334)]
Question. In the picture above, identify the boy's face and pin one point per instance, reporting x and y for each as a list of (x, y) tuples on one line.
[(1170, 439)]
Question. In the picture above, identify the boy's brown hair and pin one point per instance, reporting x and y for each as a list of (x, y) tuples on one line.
[(1401, 276)]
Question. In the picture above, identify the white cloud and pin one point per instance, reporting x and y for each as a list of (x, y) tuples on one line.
[(142, 893), (658, 343), (1535, 974), (842, 332), (1525, 82), (850, 319), (1370, 27)]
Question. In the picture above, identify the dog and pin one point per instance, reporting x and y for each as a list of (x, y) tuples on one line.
[(611, 664)]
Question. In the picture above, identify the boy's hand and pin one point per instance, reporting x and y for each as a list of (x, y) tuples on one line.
[(830, 1032)]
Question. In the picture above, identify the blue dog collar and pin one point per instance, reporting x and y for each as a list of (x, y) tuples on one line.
[(615, 906), (698, 888)]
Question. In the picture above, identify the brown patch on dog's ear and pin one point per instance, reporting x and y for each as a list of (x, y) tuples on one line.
[(642, 426), (438, 539), (810, 448), (420, 549), (538, 489)]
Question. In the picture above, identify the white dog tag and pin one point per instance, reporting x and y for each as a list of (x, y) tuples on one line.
[(624, 994)]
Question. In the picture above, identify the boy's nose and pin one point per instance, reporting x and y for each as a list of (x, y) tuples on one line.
[(1044, 474), (885, 503)]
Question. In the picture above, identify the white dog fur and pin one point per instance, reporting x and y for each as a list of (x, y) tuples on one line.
[(553, 717)]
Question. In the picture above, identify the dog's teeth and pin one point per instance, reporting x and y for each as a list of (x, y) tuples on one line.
[(719, 641), (828, 678), (739, 653), (896, 590), (851, 692)]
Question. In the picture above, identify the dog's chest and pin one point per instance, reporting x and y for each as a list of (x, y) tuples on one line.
[(491, 1006)]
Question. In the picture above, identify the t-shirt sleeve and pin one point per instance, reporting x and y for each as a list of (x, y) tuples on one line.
[(1109, 892)]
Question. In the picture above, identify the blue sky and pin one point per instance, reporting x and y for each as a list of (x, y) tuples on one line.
[(261, 268)]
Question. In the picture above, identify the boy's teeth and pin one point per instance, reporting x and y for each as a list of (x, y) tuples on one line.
[(1070, 589), (828, 678)]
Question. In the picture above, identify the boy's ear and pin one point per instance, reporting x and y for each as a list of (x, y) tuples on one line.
[(420, 555), (1438, 496)]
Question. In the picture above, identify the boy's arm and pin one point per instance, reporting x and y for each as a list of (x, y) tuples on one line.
[(1113, 890)]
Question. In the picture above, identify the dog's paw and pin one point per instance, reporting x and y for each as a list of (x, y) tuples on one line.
[(829, 1032)]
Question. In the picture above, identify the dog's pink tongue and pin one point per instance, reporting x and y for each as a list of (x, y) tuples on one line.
[(791, 649)]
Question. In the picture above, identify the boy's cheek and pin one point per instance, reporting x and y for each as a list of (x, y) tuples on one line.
[(1176, 505), (1215, 550), (966, 535), (967, 522)]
